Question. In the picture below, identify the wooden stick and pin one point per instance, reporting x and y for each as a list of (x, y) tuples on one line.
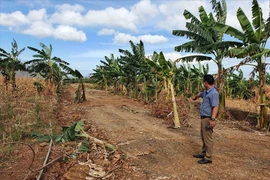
[(46, 159)]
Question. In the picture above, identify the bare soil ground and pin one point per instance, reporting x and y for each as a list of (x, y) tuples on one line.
[(147, 148)]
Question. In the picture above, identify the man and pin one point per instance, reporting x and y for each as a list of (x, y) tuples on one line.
[(208, 113)]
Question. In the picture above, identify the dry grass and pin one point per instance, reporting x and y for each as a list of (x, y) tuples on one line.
[(244, 105), (23, 111), (251, 105)]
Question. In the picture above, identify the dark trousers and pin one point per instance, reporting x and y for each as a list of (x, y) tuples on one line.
[(207, 139)]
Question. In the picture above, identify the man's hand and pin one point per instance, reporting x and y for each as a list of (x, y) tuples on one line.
[(196, 96), (212, 123)]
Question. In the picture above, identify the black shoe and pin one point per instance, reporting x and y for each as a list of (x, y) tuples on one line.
[(204, 161), (198, 156)]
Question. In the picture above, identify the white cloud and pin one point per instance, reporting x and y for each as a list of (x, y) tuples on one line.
[(172, 12), (67, 18), (68, 33), (65, 21), (110, 17), (105, 31), (39, 29), (68, 7), (153, 39), (144, 9), (123, 38), (37, 15), (13, 19)]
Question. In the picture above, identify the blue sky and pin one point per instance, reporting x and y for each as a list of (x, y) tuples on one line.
[(82, 32)]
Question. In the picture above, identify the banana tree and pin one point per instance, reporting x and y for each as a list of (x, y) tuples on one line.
[(239, 86), (197, 76), (43, 63), (80, 92), (254, 36), (58, 77), (206, 40), (10, 63), (132, 66), (166, 69)]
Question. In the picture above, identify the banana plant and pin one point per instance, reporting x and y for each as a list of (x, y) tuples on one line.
[(80, 92), (239, 86), (44, 64), (206, 40), (254, 36), (10, 63), (166, 69), (132, 66), (197, 74)]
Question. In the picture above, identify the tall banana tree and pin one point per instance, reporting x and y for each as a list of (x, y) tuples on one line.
[(43, 63), (112, 73), (254, 36), (10, 63), (132, 64), (99, 77), (166, 69), (206, 40)]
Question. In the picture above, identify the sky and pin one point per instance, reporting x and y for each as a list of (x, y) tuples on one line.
[(83, 32)]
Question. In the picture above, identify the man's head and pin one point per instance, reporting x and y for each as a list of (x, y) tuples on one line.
[(208, 80)]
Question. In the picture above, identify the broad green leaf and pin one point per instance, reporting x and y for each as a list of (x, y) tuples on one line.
[(84, 147)]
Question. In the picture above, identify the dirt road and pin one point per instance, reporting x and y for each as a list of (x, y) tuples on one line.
[(164, 153), (147, 149)]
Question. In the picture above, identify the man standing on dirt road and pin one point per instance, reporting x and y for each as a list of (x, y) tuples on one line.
[(208, 113)]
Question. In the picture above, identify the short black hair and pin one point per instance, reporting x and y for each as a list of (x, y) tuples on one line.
[(209, 79)]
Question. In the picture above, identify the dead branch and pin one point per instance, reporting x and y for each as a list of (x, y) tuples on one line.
[(103, 143), (56, 159), (46, 159)]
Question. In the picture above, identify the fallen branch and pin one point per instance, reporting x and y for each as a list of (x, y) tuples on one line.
[(46, 159), (41, 168), (56, 159), (95, 140)]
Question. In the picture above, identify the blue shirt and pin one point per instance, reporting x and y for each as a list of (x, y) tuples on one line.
[(210, 100)]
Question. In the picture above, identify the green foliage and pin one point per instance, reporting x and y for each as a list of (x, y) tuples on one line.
[(52, 69), (69, 133), (268, 78), (10, 63), (238, 87), (39, 87), (84, 147)]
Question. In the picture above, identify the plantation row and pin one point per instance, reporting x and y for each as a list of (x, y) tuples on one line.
[(145, 80), (136, 75)]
